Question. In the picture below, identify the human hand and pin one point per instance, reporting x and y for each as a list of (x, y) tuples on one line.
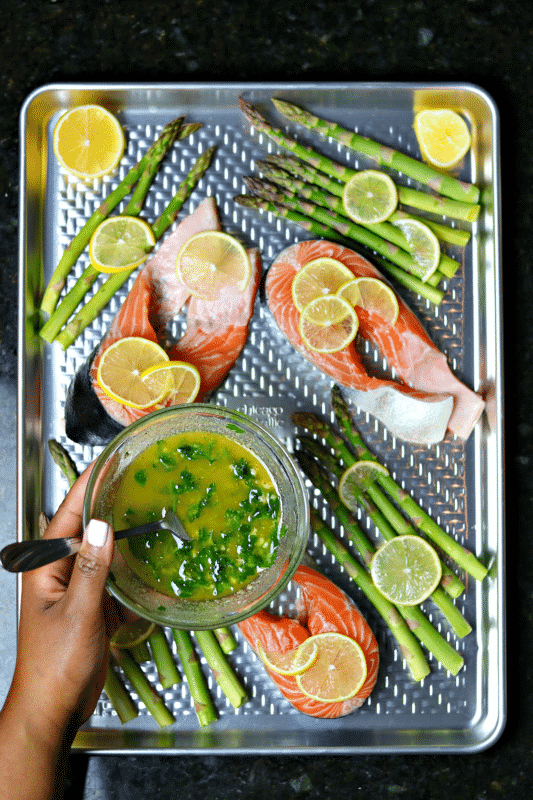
[(66, 619)]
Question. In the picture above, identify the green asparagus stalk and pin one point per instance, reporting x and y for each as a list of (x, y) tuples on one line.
[(222, 671), (153, 702), (105, 292), (119, 697), (386, 230), (422, 200), (414, 511), (381, 154), (64, 461), (457, 621), (140, 653), (419, 624), (73, 298), (226, 640), (164, 661), (408, 644), (318, 229), (300, 169), (383, 512), (203, 703), (82, 238)]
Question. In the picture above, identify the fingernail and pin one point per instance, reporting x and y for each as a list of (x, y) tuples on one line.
[(96, 532)]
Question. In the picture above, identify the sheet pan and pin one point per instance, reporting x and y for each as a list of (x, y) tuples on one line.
[(460, 484)]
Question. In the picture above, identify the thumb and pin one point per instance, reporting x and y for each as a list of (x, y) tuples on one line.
[(91, 566)]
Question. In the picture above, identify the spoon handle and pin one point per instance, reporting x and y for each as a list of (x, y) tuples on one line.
[(33, 553)]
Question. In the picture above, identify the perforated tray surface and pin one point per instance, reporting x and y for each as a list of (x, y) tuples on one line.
[(459, 484)]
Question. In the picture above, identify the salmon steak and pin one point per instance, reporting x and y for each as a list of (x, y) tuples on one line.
[(216, 332), (321, 608), (425, 401)]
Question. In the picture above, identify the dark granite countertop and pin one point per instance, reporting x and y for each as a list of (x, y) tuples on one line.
[(486, 42)]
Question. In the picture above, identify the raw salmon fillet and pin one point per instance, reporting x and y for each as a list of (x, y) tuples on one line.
[(322, 608), (214, 337), (426, 401)]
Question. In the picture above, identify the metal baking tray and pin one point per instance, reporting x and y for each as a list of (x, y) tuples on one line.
[(460, 484)]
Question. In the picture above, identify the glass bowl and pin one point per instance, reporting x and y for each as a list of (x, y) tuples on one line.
[(185, 613)]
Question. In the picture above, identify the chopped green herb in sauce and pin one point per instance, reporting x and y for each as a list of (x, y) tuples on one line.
[(226, 501)]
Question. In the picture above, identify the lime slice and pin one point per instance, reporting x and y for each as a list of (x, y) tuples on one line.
[(328, 324), (370, 196), (356, 479), (376, 296), (120, 243), (210, 260), (132, 633), (423, 246), (318, 278), (294, 662), (443, 136), (120, 369), (406, 570), (338, 672), (88, 141), (176, 381)]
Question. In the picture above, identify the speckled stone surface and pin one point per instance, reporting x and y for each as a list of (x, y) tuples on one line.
[(488, 42)]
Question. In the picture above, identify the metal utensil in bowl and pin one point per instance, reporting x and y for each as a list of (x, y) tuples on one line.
[(24, 556)]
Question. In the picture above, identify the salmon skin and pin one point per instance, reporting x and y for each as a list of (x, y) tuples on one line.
[(214, 337), (426, 401), (322, 608)]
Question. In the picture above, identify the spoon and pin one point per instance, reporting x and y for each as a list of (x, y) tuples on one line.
[(23, 556)]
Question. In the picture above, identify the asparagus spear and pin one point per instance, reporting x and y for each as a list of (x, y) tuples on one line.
[(420, 518), (226, 640), (119, 696), (317, 229), (80, 241), (203, 704), (73, 298), (384, 230), (153, 702), (458, 623), (419, 624), (412, 197), (407, 642), (450, 582), (385, 156), (166, 668), (224, 675), (299, 168), (102, 296)]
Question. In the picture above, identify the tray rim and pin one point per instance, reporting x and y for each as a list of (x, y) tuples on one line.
[(83, 741)]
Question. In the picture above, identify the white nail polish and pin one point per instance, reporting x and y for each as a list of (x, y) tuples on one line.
[(96, 532)]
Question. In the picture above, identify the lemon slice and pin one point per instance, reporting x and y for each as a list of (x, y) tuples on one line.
[(88, 141), (406, 570), (328, 324), (175, 381), (120, 369), (423, 246), (120, 243), (210, 260), (369, 197), (132, 633), (294, 662), (338, 672), (377, 297), (318, 278), (356, 479), (350, 292), (443, 136)]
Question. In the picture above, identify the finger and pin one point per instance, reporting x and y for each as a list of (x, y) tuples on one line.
[(67, 521), (85, 591)]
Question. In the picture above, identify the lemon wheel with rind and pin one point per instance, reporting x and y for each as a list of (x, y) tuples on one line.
[(120, 243), (293, 662), (339, 670), (121, 366), (369, 197), (318, 278), (210, 261), (328, 324), (406, 569), (88, 141)]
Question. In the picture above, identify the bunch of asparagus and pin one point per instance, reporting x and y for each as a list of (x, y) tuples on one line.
[(57, 326), (323, 457), (214, 645), (306, 187)]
